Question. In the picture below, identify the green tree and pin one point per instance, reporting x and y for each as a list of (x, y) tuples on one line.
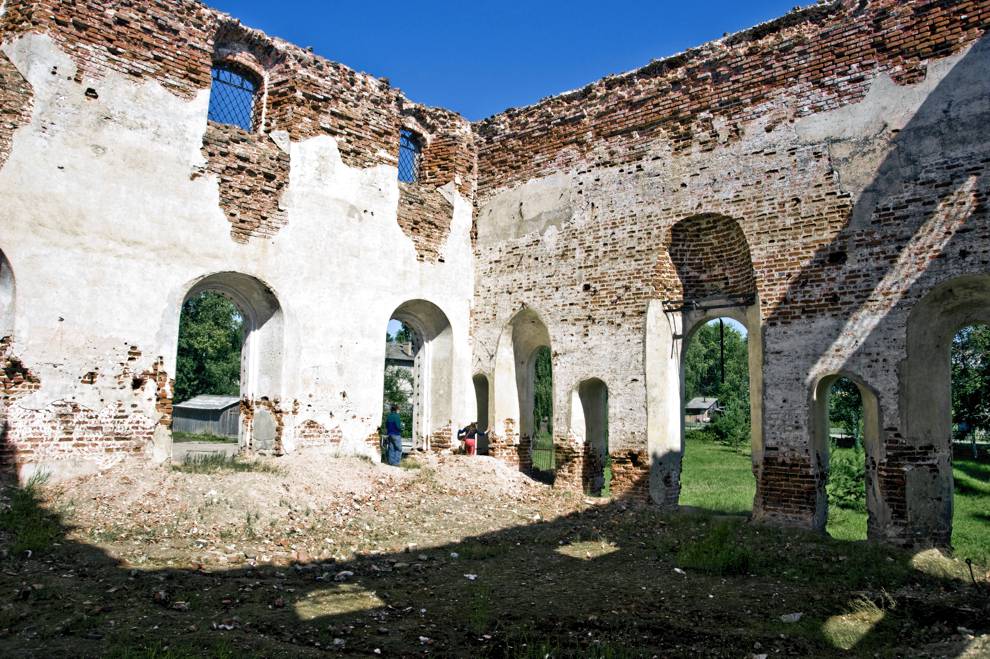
[(703, 378), (211, 333), (398, 385), (543, 389), (971, 381), (845, 408)]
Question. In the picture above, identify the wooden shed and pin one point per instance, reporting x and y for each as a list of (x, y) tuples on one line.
[(207, 415)]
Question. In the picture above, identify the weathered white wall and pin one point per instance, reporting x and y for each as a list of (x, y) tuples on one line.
[(109, 220)]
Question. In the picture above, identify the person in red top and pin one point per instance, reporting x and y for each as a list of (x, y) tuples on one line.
[(469, 435)]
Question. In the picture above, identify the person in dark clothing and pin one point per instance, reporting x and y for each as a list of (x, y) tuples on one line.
[(393, 433), (469, 435)]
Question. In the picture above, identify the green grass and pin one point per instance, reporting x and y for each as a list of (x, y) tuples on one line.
[(201, 437), (716, 477), (719, 478), (971, 514), (543, 453), (30, 526), (213, 463), (718, 552)]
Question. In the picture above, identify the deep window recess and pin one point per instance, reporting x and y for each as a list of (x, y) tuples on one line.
[(232, 98), (410, 152)]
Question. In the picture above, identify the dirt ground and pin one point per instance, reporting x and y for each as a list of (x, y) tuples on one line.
[(452, 556)]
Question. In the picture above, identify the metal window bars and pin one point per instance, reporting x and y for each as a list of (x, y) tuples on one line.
[(410, 154), (231, 98)]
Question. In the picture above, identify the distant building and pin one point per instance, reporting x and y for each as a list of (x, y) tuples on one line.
[(208, 415), (700, 410)]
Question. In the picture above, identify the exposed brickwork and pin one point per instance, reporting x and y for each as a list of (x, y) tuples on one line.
[(311, 434), (16, 379), (253, 173), (631, 475), (819, 59), (15, 104), (708, 256), (167, 41)]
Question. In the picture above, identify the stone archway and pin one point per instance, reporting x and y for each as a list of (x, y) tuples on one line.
[(705, 273), (878, 513), (261, 356), (924, 380), (432, 397)]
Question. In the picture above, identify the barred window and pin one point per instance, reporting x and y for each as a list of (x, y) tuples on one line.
[(410, 153), (232, 98)]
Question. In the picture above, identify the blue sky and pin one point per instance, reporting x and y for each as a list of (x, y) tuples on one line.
[(479, 58)]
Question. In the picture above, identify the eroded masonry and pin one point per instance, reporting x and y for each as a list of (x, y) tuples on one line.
[(822, 178)]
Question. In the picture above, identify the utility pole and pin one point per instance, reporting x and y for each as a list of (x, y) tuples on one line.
[(721, 349)]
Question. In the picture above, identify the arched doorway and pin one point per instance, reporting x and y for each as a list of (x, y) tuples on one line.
[(524, 394), (925, 404), (231, 341), (716, 466), (6, 298), (481, 398), (707, 274), (847, 449), (428, 342), (589, 422)]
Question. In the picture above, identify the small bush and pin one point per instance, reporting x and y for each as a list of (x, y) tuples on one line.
[(31, 526), (718, 553), (846, 485)]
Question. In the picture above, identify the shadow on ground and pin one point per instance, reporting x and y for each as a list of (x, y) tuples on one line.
[(614, 579)]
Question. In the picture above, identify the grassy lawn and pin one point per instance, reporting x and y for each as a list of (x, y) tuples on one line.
[(719, 478), (716, 477), (197, 437)]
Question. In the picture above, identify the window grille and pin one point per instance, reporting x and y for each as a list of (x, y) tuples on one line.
[(410, 154), (232, 98)]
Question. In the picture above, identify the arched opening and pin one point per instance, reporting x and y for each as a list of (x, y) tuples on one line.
[(481, 399), (970, 371), (524, 395), (6, 298), (846, 442), (716, 467), (228, 367), (589, 422), (233, 91), (926, 407), (420, 343), (707, 275)]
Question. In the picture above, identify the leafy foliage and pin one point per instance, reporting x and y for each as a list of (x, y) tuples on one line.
[(543, 389), (703, 377), (29, 525), (845, 408), (398, 386), (211, 333), (971, 380), (846, 485)]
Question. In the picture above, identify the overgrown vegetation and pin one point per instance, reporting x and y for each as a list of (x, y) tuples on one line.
[(178, 436), (846, 485), (211, 333), (398, 385), (707, 375), (971, 382), (543, 390), (29, 526), (212, 463)]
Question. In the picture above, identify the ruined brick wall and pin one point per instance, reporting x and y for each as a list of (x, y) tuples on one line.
[(253, 172), (15, 104), (708, 256), (841, 147), (124, 158), (805, 63)]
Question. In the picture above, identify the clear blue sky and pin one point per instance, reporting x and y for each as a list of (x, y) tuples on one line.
[(479, 58)]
